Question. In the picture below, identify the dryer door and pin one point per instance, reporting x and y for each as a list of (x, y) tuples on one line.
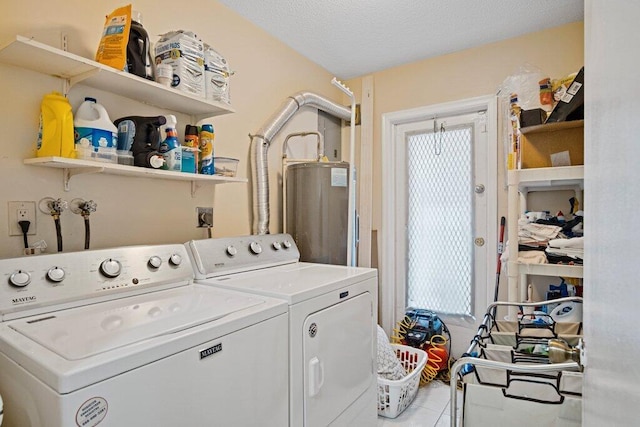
[(338, 357)]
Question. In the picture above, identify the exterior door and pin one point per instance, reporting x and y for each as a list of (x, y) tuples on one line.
[(444, 193)]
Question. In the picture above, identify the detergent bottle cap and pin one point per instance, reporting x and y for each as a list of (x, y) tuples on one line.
[(90, 99), (191, 130), (136, 16), (156, 161), (171, 121)]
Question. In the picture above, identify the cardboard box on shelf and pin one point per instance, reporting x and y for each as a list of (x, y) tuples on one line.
[(552, 144)]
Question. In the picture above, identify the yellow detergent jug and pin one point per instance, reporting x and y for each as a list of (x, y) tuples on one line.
[(55, 137)]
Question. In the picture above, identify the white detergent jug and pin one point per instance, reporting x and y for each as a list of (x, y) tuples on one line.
[(95, 135)]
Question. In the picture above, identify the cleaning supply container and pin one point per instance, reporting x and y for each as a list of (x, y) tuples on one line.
[(55, 136), (126, 135), (205, 164), (190, 149), (225, 166), (170, 148), (95, 136), (139, 61)]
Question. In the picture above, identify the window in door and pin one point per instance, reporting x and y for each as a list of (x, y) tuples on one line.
[(440, 211)]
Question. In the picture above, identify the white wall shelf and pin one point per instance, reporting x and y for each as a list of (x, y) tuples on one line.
[(29, 54), (74, 167), (541, 179), (555, 270)]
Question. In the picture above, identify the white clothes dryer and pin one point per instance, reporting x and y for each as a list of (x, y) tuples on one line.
[(332, 322), (123, 337)]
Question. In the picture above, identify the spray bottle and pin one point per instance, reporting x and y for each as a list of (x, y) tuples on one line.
[(190, 149), (205, 164), (170, 148)]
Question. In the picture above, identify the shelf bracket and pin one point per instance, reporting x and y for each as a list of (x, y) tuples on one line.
[(194, 189), (70, 172), (80, 77)]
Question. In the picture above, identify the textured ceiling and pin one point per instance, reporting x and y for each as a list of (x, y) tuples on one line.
[(351, 38)]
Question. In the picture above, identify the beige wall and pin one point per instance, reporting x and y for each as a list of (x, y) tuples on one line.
[(146, 211), (143, 210), (467, 74)]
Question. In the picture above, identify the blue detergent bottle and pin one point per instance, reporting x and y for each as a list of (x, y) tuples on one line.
[(170, 148)]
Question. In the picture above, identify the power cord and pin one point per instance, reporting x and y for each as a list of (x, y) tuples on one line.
[(24, 226)]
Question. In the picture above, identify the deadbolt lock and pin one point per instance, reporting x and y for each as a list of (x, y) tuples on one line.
[(479, 241)]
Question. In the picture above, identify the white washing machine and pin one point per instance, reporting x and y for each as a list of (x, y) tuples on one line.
[(123, 337), (332, 322)]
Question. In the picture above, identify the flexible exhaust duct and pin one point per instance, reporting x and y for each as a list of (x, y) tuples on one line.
[(261, 141)]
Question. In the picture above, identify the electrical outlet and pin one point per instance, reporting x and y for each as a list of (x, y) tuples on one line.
[(205, 217), (21, 211)]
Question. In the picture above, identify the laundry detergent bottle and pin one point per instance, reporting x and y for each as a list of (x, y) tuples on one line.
[(55, 136), (170, 148), (96, 137), (139, 61)]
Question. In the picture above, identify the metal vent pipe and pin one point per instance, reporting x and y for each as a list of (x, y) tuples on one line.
[(261, 141)]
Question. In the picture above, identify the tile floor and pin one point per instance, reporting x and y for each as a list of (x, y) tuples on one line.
[(429, 409)]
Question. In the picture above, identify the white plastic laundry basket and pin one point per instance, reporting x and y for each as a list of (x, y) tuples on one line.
[(395, 396)]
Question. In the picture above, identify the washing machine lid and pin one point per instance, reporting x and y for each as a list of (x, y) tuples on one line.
[(295, 282), (80, 333)]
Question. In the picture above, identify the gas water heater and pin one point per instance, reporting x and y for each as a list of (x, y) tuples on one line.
[(317, 206)]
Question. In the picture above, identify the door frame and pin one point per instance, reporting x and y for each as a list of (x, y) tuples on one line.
[(388, 238)]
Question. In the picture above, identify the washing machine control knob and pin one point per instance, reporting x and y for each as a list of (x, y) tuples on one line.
[(155, 261), (110, 268), (255, 248), (175, 260), (232, 251), (55, 274), (20, 278), (277, 246), (286, 244)]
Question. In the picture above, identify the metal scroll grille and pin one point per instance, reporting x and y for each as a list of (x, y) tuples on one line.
[(440, 220)]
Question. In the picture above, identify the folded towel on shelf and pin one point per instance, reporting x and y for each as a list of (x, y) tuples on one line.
[(531, 233), (572, 248), (525, 257), (573, 243), (570, 252), (566, 250), (532, 257)]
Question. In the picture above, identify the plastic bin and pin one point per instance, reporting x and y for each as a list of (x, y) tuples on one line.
[(395, 396), (225, 166)]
